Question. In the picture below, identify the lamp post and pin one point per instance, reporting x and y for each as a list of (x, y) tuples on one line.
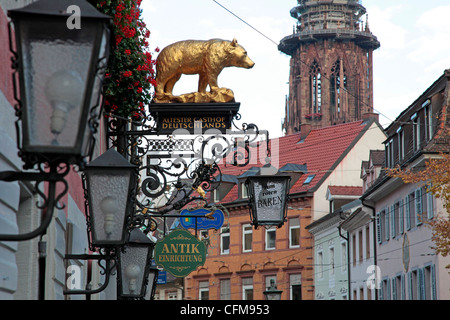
[(272, 293), (134, 263), (60, 73), (110, 190), (268, 199)]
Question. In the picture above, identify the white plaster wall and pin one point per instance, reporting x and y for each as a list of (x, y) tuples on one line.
[(348, 171)]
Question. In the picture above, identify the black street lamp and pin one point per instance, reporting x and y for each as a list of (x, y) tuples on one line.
[(57, 79), (268, 199), (135, 271), (60, 73), (272, 293), (110, 183)]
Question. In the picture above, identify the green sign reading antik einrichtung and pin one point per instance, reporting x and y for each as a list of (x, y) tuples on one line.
[(180, 253)]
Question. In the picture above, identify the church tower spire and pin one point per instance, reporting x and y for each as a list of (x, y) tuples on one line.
[(331, 79)]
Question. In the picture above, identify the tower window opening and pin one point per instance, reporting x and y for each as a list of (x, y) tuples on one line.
[(338, 84), (316, 88)]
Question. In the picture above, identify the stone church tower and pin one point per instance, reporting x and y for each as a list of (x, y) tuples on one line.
[(331, 78)]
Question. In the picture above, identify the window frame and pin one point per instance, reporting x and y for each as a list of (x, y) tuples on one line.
[(247, 229), (292, 228), (246, 287), (267, 237), (203, 289), (224, 234)]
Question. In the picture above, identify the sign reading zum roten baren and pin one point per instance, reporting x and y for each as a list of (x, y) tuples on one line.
[(180, 253)]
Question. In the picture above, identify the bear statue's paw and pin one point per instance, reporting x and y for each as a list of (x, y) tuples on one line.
[(219, 95)]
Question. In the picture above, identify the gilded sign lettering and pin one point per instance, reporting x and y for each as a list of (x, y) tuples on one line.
[(180, 253)]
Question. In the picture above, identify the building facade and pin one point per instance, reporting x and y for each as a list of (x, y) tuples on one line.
[(242, 261), (408, 266), (331, 77)]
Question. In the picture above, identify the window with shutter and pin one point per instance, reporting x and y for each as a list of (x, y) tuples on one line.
[(410, 285), (381, 293), (386, 212), (393, 222), (433, 283), (407, 213), (394, 288), (418, 200), (379, 239), (401, 224), (430, 207), (420, 284), (402, 284), (388, 290)]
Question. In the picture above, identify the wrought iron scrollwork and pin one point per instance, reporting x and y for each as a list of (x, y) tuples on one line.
[(180, 168), (50, 200), (108, 256)]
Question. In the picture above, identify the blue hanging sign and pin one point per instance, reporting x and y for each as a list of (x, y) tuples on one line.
[(215, 220), (162, 277)]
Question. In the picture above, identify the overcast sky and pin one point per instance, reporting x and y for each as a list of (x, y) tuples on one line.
[(414, 52)]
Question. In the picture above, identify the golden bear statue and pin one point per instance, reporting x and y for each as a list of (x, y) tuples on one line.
[(205, 58)]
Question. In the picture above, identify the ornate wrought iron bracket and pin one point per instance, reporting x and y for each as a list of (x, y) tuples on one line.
[(109, 257), (180, 167), (50, 199)]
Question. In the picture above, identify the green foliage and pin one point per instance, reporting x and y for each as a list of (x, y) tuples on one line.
[(130, 77)]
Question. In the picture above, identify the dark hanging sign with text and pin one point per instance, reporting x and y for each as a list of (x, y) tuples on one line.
[(195, 118)]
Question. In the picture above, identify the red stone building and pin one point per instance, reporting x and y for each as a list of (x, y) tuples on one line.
[(331, 78)]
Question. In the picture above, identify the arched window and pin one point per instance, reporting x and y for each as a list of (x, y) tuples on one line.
[(315, 79), (338, 82)]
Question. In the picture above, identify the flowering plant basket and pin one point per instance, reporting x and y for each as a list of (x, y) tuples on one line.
[(130, 76)]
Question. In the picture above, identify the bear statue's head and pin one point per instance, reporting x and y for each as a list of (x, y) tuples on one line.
[(238, 56)]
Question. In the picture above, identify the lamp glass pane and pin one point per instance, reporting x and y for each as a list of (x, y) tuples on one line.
[(108, 203), (151, 283), (273, 295), (56, 64), (133, 263), (95, 98), (269, 200)]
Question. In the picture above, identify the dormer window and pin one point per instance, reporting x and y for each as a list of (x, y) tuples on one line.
[(390, 154), (401, 144), (428, 111), (216, 195), (416, 131), (244, 194), (309, 179)]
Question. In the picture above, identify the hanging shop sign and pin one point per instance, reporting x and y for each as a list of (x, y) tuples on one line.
[(194, 118), (180, 253), (207, 219)]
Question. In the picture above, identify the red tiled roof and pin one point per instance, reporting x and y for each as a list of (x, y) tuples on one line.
[(320, 151), (345, 190)]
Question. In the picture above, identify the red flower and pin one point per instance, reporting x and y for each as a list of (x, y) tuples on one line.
[(137, 71), (120, 7)]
